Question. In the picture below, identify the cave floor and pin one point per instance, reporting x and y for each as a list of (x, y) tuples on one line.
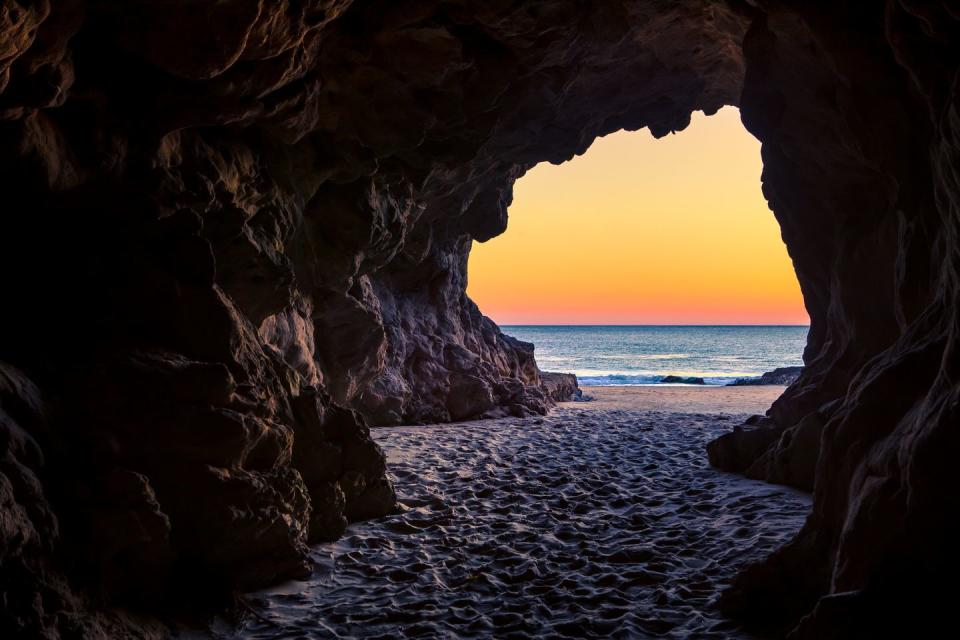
[(602, 519)]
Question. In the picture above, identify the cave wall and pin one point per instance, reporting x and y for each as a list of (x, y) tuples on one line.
[(860, 155), (234, 233)]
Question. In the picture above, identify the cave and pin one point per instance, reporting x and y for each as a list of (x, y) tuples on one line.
[(234, 234)]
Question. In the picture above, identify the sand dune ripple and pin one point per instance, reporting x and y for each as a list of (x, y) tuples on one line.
[(588, 523)]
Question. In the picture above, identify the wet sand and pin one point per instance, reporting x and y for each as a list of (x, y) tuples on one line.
[(602, 519), (683, 398)]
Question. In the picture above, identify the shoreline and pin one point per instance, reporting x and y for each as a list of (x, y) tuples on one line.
[(682, 398)]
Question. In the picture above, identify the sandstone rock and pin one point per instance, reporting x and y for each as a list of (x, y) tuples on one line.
[(560, 387)]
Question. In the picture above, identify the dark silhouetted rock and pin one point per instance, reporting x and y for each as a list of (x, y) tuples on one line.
[(780, 376), (738, 450), (681, 380)]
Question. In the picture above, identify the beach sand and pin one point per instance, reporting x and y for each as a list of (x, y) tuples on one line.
[(683, 398), (602, 519)]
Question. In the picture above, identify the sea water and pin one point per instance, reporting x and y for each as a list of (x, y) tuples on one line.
[(642, 355)]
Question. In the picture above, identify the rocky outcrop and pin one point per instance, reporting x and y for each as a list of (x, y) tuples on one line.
[(234, 233), (560, 387), (764, 450), (779, 376), (682, 380)]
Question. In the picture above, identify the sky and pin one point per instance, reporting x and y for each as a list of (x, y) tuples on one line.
[(642, 231)]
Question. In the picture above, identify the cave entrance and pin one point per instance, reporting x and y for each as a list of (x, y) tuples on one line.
[(663, 253)]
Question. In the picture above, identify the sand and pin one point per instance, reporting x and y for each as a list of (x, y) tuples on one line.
[(602, 519), (683, 398)]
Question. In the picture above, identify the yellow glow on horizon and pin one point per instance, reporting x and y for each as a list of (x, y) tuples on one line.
[(642, 231)]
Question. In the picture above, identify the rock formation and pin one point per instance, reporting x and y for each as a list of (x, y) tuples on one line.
[(560, 387), (234, 232), (682, 380), (860, 148), (779, 376)]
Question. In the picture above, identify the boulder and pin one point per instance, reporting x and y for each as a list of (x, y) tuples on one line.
[(560, 387), (681, 380), (780, 376)]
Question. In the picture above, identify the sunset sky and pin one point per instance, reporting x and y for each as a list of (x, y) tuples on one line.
[(642, 231)]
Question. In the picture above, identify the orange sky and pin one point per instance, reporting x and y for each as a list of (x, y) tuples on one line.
[(642, 231)]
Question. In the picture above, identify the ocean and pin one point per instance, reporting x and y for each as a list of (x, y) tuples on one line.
[(644, 355)]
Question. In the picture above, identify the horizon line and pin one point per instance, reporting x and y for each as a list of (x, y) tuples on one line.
[(668, 324)]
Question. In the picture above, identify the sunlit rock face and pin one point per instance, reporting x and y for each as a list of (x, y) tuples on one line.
[(236, 232)]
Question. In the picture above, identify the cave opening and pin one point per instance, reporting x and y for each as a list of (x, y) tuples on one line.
[(646, 259)]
